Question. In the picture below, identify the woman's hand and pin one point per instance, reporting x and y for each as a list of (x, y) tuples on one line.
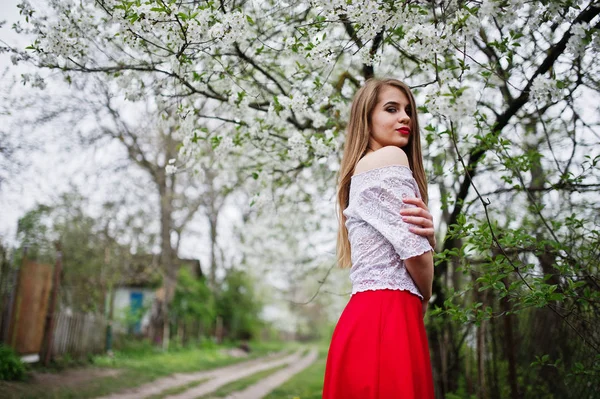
[(420, 217)]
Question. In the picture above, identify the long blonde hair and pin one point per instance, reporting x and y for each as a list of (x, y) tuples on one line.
[(357, 141)]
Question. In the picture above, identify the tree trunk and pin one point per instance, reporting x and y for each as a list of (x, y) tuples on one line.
[(109, 318), (213, 217), (510, 347), (213, 208), (468, 379), (495, 384), (481, 360), (482, 392), (167, 256), (445, 355), (219, 330)]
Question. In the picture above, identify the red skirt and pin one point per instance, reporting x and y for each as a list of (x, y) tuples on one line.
[(379, 349)]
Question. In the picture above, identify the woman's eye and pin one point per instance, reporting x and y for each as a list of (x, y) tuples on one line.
[(408, 111), (391, 109)]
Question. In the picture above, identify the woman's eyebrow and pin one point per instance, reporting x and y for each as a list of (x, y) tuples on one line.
[(393, 103)]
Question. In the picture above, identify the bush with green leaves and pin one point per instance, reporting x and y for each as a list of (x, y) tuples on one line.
[(193, 301), (238, 306), (11, 366)]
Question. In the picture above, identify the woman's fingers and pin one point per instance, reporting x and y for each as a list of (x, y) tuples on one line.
[(420, 218), (415, 212), (420, 210), (419, 221), (426, 232), (415, 201)]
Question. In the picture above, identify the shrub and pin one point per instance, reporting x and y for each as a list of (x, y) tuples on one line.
[(11, 366)]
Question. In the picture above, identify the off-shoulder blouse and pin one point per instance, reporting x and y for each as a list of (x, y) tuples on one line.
[(379, 239)]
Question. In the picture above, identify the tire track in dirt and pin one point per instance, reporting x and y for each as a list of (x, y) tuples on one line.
[(176, 380), (265, 386), (224, 378)]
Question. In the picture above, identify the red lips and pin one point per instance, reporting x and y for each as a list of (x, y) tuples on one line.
[(403, 130)]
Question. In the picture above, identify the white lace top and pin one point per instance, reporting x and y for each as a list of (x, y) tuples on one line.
[(379, 238)]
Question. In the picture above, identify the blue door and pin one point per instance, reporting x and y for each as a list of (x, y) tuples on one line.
[(136, 301)]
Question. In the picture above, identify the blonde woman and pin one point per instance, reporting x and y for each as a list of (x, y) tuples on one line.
[(379, 348)]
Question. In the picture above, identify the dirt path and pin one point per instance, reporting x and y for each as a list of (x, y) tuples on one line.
[(47, 382), (176, 380), (233, 375), (262, 388)]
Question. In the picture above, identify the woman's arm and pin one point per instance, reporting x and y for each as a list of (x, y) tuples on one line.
[(423, 221), (421, 271), (421, 218)]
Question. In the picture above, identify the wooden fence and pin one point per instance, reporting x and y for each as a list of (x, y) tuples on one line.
[(78, 334), (8, 288)]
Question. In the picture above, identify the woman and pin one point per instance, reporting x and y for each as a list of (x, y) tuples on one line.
[(379, 348)]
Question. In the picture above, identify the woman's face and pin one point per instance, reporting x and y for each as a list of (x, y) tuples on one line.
[(390, 119)]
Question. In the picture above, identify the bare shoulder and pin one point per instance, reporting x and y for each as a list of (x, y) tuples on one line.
[(386, 156)]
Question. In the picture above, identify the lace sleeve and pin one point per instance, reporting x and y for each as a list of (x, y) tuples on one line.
[(379, 205)]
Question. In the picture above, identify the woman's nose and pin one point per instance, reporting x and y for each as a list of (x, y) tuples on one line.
[(403, 117)]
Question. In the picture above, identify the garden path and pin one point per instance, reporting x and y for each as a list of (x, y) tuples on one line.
[(178, 379), (216, 378), (262, 388), (266, 385)]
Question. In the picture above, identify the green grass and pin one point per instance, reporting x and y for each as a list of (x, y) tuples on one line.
[(92, 388), (138, 364), (307, 384), (243, 383)]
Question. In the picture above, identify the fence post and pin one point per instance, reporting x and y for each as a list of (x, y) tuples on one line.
[(219, 330), (48, 336), (109, 321), (13, 299), (4, 270), (8, 292)]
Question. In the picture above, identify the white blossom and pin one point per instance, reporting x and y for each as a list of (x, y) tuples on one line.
[(320, 148), (298, 148), (231, 28), (299, 103), (329, 134), (455, 107), (171, 169), (26, 8), (125, 80), (596, 42), (366, 58), (224, 148), (134, 94), (322, 54), (488, 8), (256, 131), (543, 88), (199, 172), (38, 82), (576, 44), (425, 41), (261, 201)]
